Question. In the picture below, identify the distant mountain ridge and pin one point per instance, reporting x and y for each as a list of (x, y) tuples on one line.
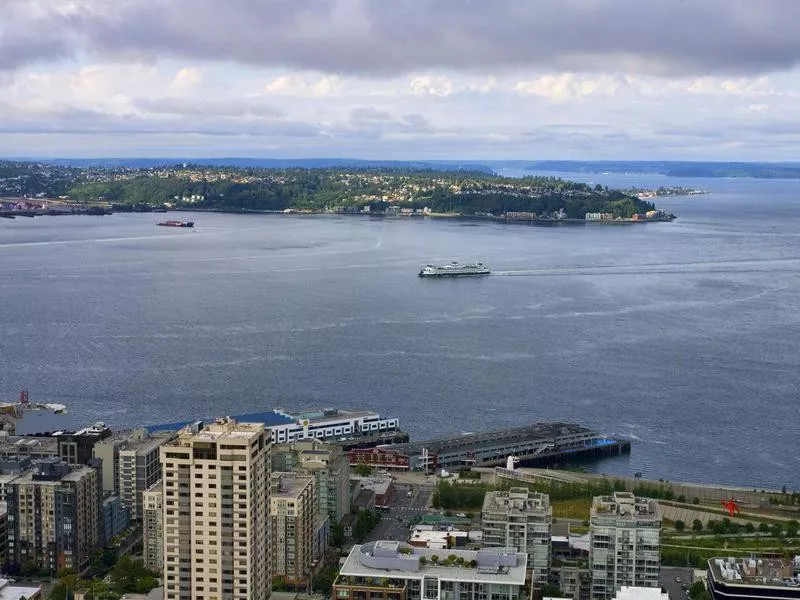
[(760, 170), (271, 163), (784, 170)]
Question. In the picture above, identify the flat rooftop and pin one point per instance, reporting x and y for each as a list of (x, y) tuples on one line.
[(290, 485), (625, 504), (516, 501), (770, 572), (533, 432), (397, 559), (221, 429)]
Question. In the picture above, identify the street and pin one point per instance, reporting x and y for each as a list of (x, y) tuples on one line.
[(396, 521), (673, 587)]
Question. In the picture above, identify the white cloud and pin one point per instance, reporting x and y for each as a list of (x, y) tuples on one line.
[(569, 86), (431, 85), (186, 80), (296, 85)]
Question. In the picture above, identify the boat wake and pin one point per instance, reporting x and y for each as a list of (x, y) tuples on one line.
[(707, 267)]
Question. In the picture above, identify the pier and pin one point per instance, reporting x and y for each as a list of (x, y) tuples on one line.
[(537, 444)]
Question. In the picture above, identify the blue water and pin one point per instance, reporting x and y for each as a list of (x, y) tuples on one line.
[(681, 336)]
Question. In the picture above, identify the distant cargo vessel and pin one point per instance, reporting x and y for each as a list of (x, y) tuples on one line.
[(454, 269), (176, 223)]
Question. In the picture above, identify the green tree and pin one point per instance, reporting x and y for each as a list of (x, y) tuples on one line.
[(363, 470), (750, 528), (698, 591), (551, 591), (130, 576), (763, 528), (324, 580), (697, 525), (792, 528), (680, 525), (337, 535)]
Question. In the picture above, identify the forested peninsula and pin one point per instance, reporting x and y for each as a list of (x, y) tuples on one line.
[(337, 190)]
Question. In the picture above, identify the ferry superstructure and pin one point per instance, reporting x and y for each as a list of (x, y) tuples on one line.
[(454, 269), (357, 428)]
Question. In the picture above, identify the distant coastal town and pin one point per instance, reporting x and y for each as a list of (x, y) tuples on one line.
[(644, 193), (31, 189)]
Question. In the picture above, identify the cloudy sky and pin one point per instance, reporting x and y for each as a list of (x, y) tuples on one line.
[(401, 79)]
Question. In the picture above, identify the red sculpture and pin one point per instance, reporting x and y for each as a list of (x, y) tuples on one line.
[(731, 506)]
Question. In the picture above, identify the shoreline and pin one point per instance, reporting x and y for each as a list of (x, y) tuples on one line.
[(453, 216), (97, 211)]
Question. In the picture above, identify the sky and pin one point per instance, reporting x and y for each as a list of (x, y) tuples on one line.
[(401, 79)]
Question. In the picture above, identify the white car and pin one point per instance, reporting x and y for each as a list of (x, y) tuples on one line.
[(461, 515)]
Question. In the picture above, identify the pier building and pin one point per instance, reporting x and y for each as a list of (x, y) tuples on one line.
[(535, 444)]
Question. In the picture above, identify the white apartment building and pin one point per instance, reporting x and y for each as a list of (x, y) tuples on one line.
[(523, 520), (625, 544), (216, 501), (385, 570)]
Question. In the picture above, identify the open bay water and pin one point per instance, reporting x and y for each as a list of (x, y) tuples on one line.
[(683, 337)]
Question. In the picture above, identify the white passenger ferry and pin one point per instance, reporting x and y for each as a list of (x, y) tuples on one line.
[(454, 269)]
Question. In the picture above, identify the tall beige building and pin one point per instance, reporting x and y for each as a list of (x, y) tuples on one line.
[(292, 512), (153, 527), (216, 502)]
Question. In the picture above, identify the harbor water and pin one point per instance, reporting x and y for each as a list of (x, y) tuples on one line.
[(681, 337)]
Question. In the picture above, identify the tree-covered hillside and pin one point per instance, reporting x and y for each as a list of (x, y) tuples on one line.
[(351, 190)]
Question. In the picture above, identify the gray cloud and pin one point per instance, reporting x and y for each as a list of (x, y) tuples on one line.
[(379, 37), (196, 107), (80, 121)]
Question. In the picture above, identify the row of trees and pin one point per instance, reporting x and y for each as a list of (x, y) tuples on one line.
[(726, 526), (126, 577), (459, 495)]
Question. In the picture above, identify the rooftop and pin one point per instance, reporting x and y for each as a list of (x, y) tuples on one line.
[(289, 485), (379, 485), (9, 591), (74, 474), (756, 571), (222, 429), (625, 504), (640, 593), (278, 417), (516, 500), (535, 431), (388, 558)]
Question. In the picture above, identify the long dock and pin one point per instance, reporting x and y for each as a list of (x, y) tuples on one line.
[(532, 445)]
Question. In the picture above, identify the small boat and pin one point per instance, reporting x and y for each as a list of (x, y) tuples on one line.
[(172, 223)]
